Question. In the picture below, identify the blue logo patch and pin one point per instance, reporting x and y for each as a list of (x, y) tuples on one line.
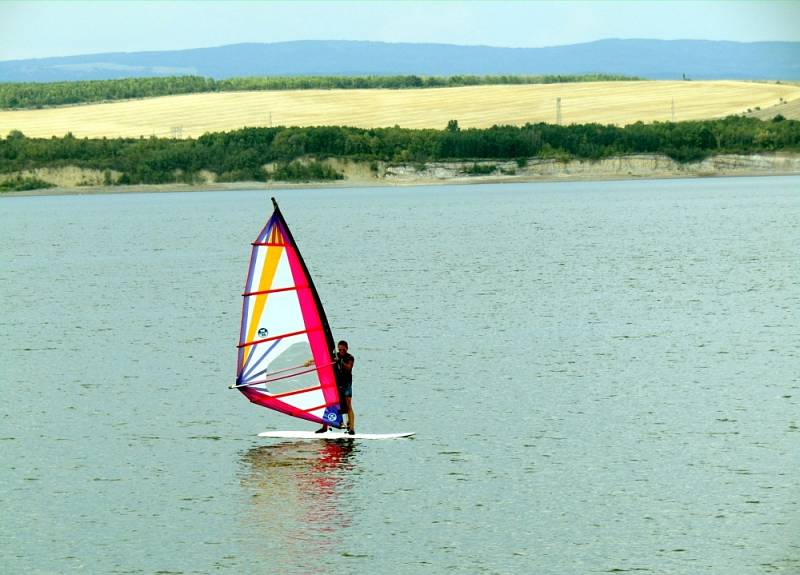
[(332, 416)]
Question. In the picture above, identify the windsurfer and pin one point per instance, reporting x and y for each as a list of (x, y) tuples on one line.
[(343, 368)]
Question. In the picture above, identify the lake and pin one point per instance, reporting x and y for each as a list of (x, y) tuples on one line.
[(603, 377)]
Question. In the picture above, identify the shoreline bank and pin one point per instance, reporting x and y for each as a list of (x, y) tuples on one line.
[(361, 175)]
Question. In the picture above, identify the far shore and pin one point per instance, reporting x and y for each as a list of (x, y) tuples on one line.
[(342, 184), (635, 167)]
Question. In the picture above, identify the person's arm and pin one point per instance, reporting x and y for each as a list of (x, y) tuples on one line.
[(309, 363), (348, 365)]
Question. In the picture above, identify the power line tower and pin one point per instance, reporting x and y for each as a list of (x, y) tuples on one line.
[(673, 109), (176, 132), (558, 111)]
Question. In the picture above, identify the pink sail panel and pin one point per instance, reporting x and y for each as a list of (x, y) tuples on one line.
[(284, 325)]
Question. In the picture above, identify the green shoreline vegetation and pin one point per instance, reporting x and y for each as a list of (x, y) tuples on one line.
[(32, 95), (294, 154), (20, 184)]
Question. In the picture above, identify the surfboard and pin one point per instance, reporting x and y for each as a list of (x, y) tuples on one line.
[(330, 434)]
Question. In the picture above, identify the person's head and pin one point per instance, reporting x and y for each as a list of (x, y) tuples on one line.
[(342, 347)]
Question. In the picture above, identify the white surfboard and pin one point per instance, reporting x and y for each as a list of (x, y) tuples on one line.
[(331, 434)]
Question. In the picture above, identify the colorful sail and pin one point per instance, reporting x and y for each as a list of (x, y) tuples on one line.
[(283, 326)]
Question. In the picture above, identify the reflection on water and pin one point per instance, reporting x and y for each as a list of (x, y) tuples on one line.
[(296, 492)]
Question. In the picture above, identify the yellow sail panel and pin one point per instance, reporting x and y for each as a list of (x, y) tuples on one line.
[(265, 283)]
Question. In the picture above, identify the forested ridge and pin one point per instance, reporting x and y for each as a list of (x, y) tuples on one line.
[(29, 95), (293, 152)]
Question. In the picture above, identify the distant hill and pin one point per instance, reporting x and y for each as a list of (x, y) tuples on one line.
[(654, 59)]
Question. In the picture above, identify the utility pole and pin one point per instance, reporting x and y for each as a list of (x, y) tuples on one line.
[(558, 111), (673, 109)]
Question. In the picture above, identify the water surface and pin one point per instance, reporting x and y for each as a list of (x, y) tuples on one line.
[(603, 377)]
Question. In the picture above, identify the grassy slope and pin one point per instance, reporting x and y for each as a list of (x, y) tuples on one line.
[(477, 106)]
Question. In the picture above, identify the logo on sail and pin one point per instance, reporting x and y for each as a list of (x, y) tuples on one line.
[(332, 414), (263, 332)]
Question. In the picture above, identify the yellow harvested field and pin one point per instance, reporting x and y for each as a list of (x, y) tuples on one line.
[(476, 106)]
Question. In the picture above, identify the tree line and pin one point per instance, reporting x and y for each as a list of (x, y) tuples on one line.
[(295, 153), (30, 95)]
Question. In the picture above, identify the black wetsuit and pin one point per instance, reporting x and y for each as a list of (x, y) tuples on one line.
[(344, 378)]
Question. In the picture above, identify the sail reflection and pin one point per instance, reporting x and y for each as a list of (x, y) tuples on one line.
[(296, 492)]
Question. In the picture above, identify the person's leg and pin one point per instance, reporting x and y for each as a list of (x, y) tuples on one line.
[(351, 416)]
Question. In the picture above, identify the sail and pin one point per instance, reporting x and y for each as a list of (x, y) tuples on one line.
[(283, 326)]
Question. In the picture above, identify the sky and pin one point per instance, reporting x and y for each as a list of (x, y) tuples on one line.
[(36, 29)]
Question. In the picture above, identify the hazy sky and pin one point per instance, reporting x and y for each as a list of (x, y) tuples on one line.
[(34, 29)]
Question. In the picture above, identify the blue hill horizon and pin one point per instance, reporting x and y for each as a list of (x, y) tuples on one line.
[(651, 59)]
